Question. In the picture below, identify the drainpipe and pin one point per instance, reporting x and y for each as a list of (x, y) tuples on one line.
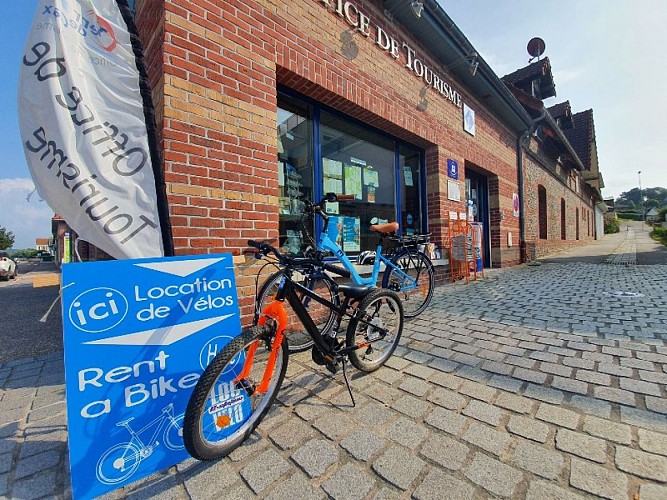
[(519, 150)]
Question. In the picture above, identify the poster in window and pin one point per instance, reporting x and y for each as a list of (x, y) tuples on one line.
[(370, 194), (332, 168), (453, 190), (335, 230), (351, 238), (371, 177), (333, 185), (407, 172), (353, 181)]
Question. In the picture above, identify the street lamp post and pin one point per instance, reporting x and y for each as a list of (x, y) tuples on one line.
[(641, 198)]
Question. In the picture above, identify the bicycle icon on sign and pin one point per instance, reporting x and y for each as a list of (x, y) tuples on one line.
[(121, 460)]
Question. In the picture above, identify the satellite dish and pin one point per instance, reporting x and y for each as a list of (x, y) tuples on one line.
[(536, 48)]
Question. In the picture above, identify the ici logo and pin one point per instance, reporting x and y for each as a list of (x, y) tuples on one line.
[(98, 310)]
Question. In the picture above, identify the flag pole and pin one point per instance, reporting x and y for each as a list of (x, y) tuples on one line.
[(151, 129)]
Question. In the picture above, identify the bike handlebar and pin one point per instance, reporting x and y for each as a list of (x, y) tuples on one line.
[(295, 262)]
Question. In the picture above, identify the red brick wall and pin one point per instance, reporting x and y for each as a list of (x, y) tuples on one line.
[(214, 68)]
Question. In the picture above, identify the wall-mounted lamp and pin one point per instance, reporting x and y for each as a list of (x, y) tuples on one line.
[(417, 7), (470, 60)]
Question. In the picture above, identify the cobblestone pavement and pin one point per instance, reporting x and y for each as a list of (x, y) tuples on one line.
[(540, 382)]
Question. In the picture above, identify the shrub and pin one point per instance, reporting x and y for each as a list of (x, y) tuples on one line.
[(659, 234), (611, 226)]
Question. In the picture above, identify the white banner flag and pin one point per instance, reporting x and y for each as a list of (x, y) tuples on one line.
[(83, 128)]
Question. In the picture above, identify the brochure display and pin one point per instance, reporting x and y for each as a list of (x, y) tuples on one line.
[(466, 245)]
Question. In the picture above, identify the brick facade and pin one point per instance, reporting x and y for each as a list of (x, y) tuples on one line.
[(215, 66)]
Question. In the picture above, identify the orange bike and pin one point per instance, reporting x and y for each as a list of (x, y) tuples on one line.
[(239, 386)]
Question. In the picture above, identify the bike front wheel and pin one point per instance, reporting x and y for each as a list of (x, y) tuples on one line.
[(415, 289), (234, 393), (118, 463), (379, 334), (298, 338)]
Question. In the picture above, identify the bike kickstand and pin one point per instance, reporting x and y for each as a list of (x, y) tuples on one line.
[(347, 382)]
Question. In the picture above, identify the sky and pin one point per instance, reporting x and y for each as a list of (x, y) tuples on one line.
[(605, 55)]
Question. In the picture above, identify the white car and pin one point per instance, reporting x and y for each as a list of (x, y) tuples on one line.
[(7, 267)]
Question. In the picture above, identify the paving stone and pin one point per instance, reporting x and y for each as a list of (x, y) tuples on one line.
[(506, 383), (362, 444), (411, 406), (582, 445), (484, 412), (598, 357), (437, 482), (298, 486), (447, 380), (556, 369), (209, 479), (529, 375), (592, 406), (494, 476), (348, 482), (374, 414), (517, 404), (586, 364), (291, 434), (420, 371), (445, 451), (652, 492), (478, 391), (637, 363), (640, 386), (646, 419), (642, 464), (611, 369), (415, 386), (528, 428), (598, 480), (652, 376), (43, 461), (399, 467), (406, 432), (487, 438), (36, 486), (593, 377), (544, 356), (546, 394), (558, 416), (615, 395), (388, 376), (611, 431), (658, 405), (446, 420), (447, 399), (569, 385), (316, 456), (264, 470), (652, 442), (545, 463), (543, 490)]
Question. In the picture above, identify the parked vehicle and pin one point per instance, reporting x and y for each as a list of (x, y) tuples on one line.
[(7, 267)]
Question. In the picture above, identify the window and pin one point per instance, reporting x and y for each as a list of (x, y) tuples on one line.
[(295, 170), (322, 152), (563, 233), (542, 211)]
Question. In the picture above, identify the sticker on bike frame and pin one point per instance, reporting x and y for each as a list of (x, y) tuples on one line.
[(228, 405)]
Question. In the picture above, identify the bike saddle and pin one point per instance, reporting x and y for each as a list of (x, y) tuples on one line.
[(354, 291), (388, 228), (124, 422)]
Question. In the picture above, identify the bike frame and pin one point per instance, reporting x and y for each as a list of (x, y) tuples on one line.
[(276, 312), (327, 244)]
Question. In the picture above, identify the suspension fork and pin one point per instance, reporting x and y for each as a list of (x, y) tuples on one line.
[(275, 311)]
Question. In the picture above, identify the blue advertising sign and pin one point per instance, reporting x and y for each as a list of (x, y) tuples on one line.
[(452, 169), (138, 334)]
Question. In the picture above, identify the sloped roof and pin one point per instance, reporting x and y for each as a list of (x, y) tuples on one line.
[(539, 70), (42, 241), (582, 135)]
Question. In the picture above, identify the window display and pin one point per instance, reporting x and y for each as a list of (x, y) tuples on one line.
[(384, 176)]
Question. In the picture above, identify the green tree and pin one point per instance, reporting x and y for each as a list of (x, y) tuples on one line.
[(6, 238)]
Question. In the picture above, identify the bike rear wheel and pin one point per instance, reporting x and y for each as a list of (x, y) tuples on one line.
[(227, 403), (298, 338), (382, 309), (416, 265)]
